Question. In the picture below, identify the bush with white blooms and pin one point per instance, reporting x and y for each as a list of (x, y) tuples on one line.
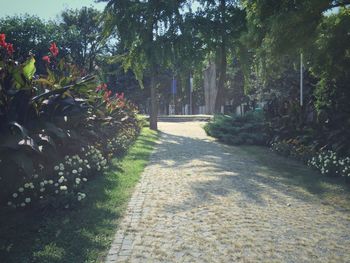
[(329, 163)]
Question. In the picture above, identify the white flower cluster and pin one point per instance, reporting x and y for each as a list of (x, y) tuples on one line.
[(24, 194), (67, 177), (329, 163), (71, 174), (120, 143), (280, 147), (81, 196), (96, 159)]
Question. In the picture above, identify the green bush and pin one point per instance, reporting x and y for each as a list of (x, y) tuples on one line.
[(248, 129)]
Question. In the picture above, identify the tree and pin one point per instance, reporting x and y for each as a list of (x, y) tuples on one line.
[(81, 36), (77, 35), (220, 24), (278, 31), (29, 35), (146, 30), (285, 25)]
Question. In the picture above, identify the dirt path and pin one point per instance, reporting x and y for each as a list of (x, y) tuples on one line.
[(201, 201)]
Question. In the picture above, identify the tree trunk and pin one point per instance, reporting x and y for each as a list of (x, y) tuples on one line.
[(154, 108), (222, 78), (223, 61)]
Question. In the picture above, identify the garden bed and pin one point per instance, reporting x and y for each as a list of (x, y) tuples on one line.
[(82, 233)]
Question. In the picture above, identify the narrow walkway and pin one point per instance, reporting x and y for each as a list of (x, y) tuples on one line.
[(201, 201)]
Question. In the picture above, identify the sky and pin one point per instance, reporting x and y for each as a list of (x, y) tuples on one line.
[(45, 9)]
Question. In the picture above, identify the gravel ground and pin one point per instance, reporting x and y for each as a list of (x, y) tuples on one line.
[(201, 201)]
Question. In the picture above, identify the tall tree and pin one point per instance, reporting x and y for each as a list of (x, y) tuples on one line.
[(146, 30), (81, 35), (220, 24)]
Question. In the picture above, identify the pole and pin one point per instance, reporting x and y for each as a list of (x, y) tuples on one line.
[(191, 87), (301, 79), (173, 91)]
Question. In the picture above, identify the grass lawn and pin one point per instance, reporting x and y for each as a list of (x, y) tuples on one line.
[(82, 234), (303, 179)]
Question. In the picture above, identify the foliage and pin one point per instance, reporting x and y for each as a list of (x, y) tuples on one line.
[(219, 25), (276, 35), (329, 163), (294, 148), (82, 233), (60, 187), (44, 118), (247, 129), (77, 31), (29, 35), (81, 36)]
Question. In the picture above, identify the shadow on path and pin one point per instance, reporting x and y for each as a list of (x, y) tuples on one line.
[(251, 171)]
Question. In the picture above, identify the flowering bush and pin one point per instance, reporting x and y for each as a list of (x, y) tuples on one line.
[(293, 148), (328, 163), (119, 144), (65, 181), (43, 118), (97, 162)]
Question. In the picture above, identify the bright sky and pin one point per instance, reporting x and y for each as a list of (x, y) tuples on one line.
[(45, 9)]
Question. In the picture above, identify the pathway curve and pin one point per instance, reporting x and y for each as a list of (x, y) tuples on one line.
[(201, 201)]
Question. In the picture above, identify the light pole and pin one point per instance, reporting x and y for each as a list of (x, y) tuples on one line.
[(301, 79), (191, 89), (173, 92)]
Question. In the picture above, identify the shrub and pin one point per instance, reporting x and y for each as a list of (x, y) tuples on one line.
[(60, 188), (328, 163), (294, 148), (97, 162), (248, 129)]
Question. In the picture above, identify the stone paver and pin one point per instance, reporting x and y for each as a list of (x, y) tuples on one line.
[(201, 201)]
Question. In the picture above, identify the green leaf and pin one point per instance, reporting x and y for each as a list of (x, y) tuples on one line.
[(23, 162), (52, 128), (19, 80), (29, 68), (15, 125)]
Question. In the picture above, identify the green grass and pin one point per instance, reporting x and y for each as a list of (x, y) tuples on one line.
[(78, 235), (287, 172)]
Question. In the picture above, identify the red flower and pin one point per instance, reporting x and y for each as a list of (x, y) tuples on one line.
[(101, 87), (120, 96), (98, 88), (46, 59), (121, 104), (2, 40), (53, 49), (10, 49), (106, 95)]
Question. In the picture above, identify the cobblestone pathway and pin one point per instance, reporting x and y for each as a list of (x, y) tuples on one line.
[(200, 201)]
